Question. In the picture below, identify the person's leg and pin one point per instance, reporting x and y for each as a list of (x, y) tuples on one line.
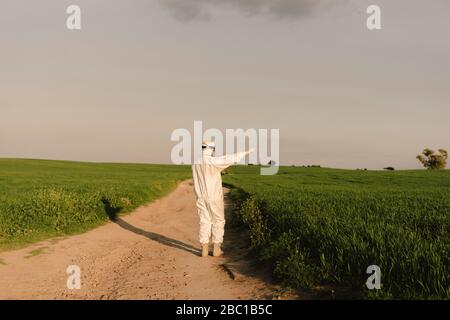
[(218, 225), (205, 226)]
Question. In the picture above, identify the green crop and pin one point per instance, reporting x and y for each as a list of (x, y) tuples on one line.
[(325, 227), (40, 199)]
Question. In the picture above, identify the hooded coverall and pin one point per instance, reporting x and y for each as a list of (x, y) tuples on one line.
[(208, 189)]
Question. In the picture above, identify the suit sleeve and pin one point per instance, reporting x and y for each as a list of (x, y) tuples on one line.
[(224, 162)]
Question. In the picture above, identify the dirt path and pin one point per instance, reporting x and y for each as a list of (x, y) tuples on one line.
[(151, 253)]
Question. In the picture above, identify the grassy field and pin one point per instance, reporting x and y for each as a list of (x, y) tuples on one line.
[(41, 199), (313, 226), (325, 227)]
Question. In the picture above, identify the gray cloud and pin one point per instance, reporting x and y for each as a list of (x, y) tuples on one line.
[(187, 10)]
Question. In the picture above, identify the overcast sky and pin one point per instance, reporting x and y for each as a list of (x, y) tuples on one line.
[(341, 95)]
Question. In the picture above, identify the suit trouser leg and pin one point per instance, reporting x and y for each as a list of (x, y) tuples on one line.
[(205, 221), (217, 212)]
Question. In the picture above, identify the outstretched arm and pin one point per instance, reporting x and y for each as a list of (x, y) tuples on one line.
[(225, 161)]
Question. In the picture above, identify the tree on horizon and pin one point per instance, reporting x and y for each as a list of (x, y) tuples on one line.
[(432, 160)]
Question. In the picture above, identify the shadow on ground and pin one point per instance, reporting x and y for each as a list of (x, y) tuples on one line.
[(113, 215)]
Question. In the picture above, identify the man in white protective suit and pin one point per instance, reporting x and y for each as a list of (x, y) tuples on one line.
[(208, 189)]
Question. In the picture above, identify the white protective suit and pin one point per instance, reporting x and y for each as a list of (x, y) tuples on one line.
[(208, 189)]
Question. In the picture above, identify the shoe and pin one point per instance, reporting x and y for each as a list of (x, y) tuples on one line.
[(217, 251), (205, 250)]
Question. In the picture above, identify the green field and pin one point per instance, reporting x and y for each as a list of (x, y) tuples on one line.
[(41, 199), (314, 227), (324, 227)]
